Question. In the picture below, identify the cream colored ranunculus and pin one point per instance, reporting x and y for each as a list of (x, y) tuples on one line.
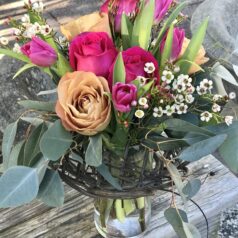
[(95, 22), (82, 104)]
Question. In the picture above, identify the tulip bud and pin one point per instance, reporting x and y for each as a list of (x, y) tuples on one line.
[(178, 38), (39, 52)]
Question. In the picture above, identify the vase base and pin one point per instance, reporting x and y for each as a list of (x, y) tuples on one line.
[(105, 234)]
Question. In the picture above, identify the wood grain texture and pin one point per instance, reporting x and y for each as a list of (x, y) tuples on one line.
[(75, 218)]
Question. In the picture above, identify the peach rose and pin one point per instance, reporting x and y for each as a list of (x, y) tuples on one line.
[(200, 58), (82, 104), (94, 22)]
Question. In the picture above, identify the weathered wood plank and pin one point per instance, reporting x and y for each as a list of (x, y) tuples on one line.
[(75, 218)]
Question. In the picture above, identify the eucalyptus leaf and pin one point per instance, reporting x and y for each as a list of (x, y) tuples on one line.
[(104, 171), (7, 142), (93, 154), (218, 85), (51, 190), (192, 138), (24, 68), (14, 156), (119, 73), (184, 126), (38, 105), (202, 148), (228, 151), (223, 73), (235, 67), (179, 221), (18, 185), (176, 177), (55, 141), (191, 231), (176, 218), (41, 167), (32, 146), (35, 121), (192, 187)]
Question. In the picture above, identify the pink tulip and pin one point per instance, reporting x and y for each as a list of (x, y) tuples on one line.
[(121, 6), (131, 6), (123, 95), (178, 38), (39, 52), (161, 8)]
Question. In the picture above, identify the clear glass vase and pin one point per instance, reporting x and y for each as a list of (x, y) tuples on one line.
[(115, 218)]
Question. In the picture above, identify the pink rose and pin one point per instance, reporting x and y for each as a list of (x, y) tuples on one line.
[(122, 6), (135, 59), (39, 52), (92, 52), (123, 95), (178, 39)]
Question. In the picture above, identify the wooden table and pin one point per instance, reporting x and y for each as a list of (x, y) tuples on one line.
[(75, 218)]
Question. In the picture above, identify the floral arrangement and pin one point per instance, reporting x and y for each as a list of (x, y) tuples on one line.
[(136, 100)]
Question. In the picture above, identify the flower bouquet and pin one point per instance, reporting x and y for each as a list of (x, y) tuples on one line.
[(134, 106)]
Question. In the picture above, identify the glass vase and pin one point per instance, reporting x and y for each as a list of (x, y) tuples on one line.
[(115, 218)]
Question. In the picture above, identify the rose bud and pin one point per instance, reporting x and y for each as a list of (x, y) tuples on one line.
[(83, 105), (135, 60), (94, 22), (118, 7), (123, 95), (200, 58), (39, 52), (178, 39), (92, 52)]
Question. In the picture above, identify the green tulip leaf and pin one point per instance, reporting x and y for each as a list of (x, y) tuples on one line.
[(167, 24), (126, 31), (193, 48), (119, 73)]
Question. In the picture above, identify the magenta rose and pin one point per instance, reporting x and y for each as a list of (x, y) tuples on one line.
[(39, 52), (178, 38), (135, 59), (122, 6), (123, 95), (92, 52)]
